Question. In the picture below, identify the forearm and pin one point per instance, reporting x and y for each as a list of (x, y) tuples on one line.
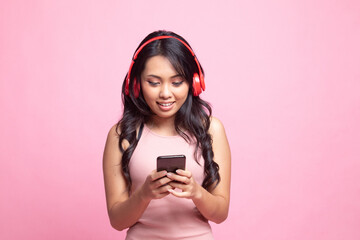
[(125, 214), (213, 207)]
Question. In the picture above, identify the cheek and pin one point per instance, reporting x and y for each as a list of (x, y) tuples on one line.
[(148, 93), (183, 92), (148, 98), (185, 95)]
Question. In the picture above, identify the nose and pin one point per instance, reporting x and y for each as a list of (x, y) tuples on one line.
[(165, 91)]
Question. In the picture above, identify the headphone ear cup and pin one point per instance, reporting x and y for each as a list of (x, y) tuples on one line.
[(136, 88), (202, 82), (196, 85), (127, 86)]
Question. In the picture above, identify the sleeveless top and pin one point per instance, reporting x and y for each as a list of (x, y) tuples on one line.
[(169, 217)]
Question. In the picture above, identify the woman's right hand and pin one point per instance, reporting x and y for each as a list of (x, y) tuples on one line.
[(155, 186)]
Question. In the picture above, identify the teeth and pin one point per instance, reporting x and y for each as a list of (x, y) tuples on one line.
[(165, 104)]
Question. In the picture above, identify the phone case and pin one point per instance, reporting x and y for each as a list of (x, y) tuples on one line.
[(171, 163)]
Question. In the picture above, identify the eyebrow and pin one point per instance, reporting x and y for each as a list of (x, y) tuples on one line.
[(155, 76)]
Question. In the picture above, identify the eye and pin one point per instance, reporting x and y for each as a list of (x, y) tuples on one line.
[(177, 83), (152, 83)]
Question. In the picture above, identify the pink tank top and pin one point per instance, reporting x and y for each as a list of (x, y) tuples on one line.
[(169, 217)]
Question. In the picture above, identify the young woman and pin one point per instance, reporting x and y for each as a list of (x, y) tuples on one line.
[(164, 115)]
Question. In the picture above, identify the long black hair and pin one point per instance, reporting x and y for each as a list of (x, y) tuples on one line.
[(192, 121)]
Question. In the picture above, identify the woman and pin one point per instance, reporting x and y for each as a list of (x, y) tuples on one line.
[(164, 115)]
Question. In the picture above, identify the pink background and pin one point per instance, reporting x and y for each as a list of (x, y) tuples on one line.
[(283, 76)]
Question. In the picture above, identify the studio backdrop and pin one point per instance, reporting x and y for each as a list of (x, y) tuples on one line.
[(282, 76)]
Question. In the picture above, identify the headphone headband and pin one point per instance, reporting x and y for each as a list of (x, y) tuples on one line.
[(198, 79), (161, 37)]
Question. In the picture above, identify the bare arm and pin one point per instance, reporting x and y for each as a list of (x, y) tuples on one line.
[(213, 204), (125, 210)]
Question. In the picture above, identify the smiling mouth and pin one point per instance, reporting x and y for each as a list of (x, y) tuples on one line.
[(166, 104)]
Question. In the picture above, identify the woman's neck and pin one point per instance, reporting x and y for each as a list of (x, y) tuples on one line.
[(163, 126)]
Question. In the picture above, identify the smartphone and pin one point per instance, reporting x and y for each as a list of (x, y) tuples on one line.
[(171, 163)]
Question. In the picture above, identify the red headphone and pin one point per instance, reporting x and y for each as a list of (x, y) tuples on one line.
[(198, 81)]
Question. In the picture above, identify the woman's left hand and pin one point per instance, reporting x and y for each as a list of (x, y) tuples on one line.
[(184, 181)]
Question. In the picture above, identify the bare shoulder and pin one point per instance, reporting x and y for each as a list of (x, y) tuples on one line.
[(114, 132), (220, 142), (216, 127), (114, 135)]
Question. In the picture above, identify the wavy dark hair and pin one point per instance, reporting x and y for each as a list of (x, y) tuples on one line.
[(192, 121)]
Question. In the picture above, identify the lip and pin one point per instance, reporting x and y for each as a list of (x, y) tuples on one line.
[(165, 106)]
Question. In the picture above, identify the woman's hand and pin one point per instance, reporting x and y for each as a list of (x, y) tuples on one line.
[(155, 186), (184, 181)]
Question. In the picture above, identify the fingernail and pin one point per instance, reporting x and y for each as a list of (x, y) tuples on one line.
[(178, 171), (169, 174)]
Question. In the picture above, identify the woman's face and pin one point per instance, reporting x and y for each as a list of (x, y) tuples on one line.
[(164, 90)]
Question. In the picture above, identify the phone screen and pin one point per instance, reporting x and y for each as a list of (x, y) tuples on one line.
[(170, 163)]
